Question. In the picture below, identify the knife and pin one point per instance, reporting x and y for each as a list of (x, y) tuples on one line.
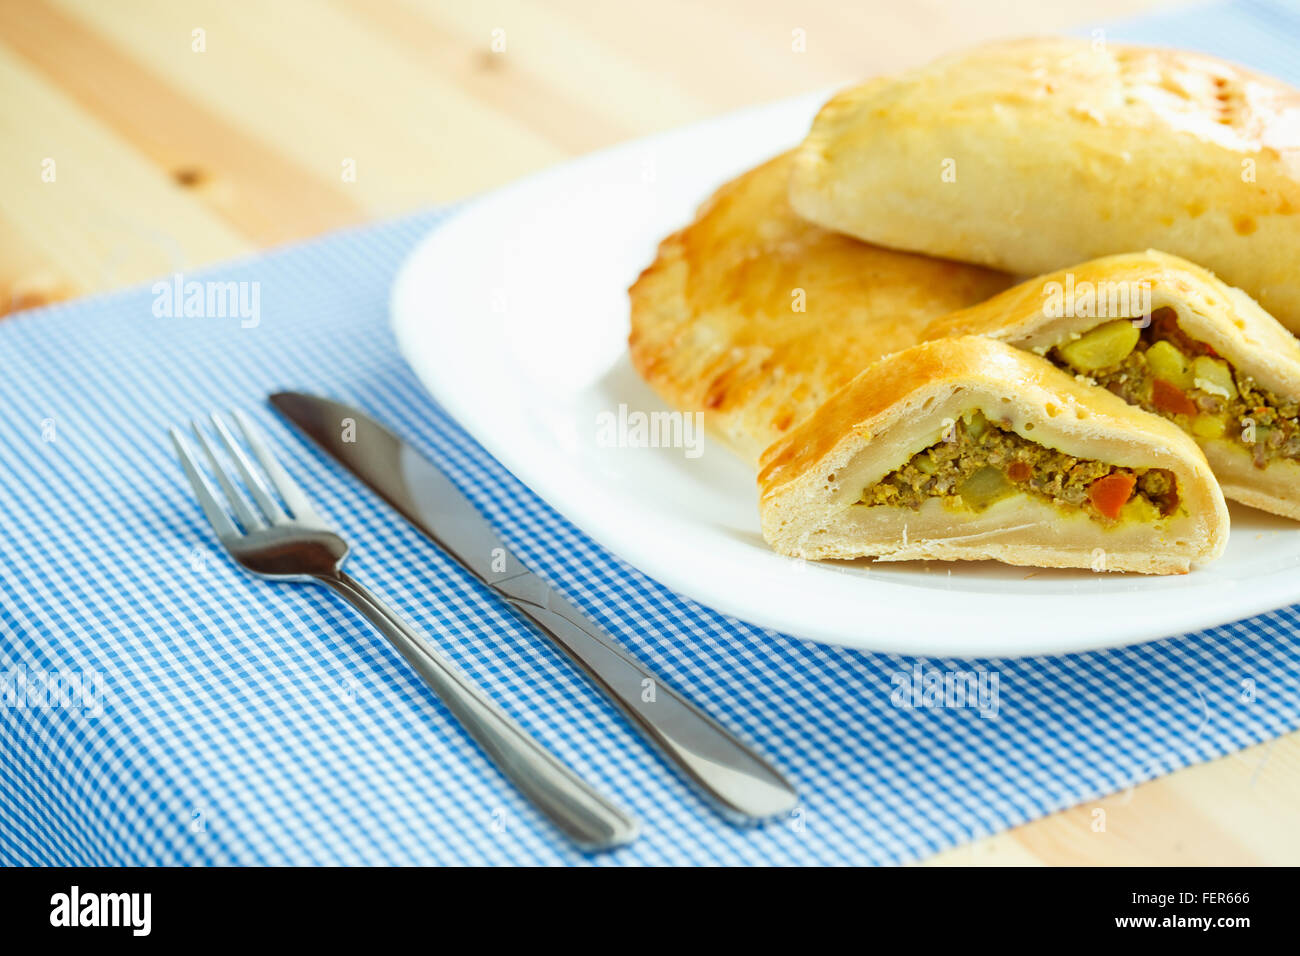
[(742, 785)]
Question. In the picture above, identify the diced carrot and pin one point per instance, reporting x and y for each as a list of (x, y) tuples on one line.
[(1171, 398), (1110, 492), (1019, 471)]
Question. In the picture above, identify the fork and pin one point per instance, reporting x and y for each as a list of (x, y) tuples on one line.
[(297, 545)]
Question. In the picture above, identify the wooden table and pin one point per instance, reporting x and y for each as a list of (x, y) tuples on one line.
[(182, 132)]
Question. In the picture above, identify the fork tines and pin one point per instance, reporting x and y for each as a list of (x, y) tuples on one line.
[(298, 506)]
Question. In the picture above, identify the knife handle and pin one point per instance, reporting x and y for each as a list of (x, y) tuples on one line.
[(571, 803), (743, 786)]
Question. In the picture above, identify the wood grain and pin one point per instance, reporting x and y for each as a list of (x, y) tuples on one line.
[(168, 157)]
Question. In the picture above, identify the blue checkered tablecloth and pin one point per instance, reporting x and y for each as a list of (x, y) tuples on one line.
[(204, 717)]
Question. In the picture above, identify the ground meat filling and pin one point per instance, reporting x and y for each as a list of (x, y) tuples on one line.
[(1184, 380), (981, 462)]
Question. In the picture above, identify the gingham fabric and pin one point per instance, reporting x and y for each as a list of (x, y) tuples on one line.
[(226, 720)]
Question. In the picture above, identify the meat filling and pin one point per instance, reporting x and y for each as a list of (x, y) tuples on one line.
[(980, 462), (1162, 370)]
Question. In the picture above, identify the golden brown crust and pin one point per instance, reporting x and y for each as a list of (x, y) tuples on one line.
[(714, 328), (1208, 310), (1034, 154), (812, 479)]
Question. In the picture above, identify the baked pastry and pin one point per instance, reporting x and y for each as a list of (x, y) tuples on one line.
[(967, 448), (1200, 353), (753, 317), (1034, 154)]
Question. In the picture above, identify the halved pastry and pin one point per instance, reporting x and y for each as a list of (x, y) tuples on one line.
[(1033, 154), (753, 316), (966, 448), (1202, 354)]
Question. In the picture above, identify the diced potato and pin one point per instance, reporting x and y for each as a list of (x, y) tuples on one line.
[(1104, 346), (1138, 508), (984, 488), (1208, 426), (1166, 362), (925, 464), (975, 422), (1214, 376)]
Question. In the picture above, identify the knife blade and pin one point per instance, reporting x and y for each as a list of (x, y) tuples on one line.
[(740, 783)]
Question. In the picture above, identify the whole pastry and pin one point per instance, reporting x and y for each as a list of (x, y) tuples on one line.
[(753, 316), (1034, 154)]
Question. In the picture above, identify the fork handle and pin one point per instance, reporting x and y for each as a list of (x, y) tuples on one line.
[(590, 820)]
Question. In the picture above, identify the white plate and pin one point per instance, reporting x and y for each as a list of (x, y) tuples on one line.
[(514, 314)]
